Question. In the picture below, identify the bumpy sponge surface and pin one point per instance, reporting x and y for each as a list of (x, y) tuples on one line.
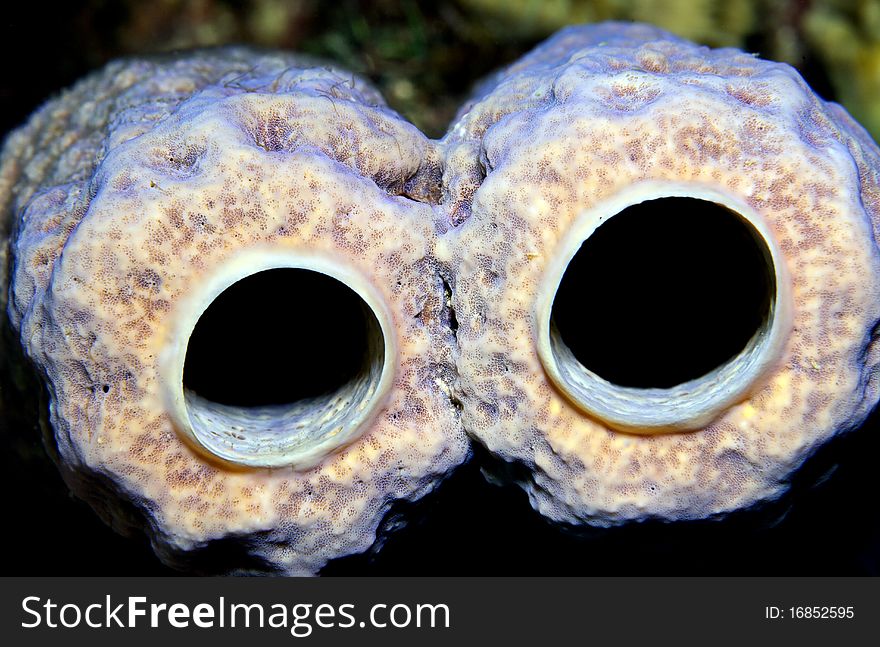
[(619, 114), (131, 190)]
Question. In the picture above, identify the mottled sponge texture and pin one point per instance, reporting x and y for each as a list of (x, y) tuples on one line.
[(618, 114), (145, 178), (125, 195)]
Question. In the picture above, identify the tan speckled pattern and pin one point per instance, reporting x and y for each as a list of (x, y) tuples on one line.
[(595, 115), (130, 190), (292, 159)]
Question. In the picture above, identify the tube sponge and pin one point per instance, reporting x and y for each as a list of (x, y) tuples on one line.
[(601, 118), (142, 194), (138, 197)]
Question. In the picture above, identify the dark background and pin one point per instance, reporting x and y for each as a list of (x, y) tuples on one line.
[(425, 57)]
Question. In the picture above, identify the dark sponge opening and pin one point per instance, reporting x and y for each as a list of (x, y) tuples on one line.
[(277, 337), (664, 292)]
